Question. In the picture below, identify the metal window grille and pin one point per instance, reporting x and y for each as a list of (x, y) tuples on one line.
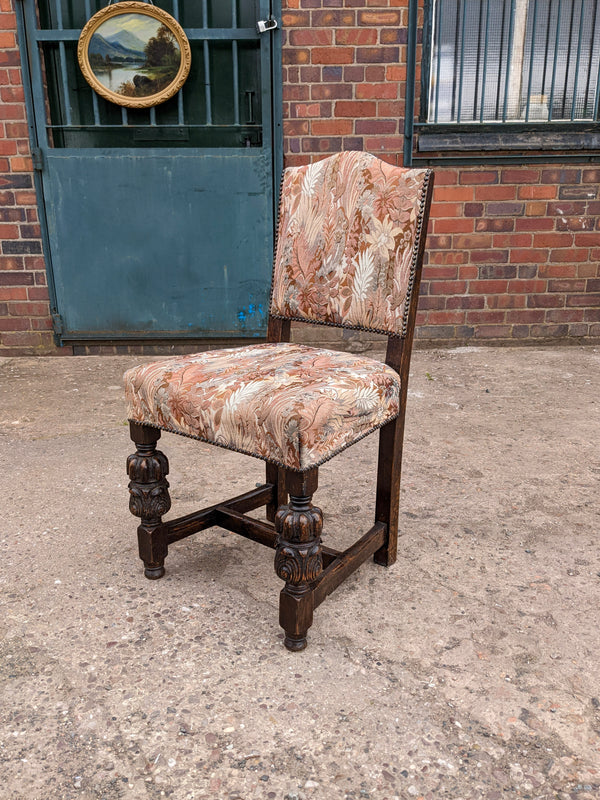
[(221, 104), (513, 61)]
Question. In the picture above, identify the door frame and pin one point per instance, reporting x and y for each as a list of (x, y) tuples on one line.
[(25, 46)]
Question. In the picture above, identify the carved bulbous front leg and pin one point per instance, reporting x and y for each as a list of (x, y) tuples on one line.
[(298, 559), (149, 497)]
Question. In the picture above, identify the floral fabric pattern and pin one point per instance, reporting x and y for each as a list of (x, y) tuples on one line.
[(346, 243), (286, 403)]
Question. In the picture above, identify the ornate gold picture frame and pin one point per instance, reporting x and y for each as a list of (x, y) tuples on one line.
[(134, 54)]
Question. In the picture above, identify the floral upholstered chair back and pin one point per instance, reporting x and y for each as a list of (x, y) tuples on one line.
[(349, 231)]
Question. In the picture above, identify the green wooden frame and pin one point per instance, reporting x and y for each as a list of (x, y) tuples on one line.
[(31, 36)]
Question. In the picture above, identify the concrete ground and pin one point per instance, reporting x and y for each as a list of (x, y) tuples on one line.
[(468, 670)]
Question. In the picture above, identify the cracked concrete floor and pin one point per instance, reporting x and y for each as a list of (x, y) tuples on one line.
[(468, 670)]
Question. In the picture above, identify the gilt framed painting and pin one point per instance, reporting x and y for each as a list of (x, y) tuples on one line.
[(134, 54)]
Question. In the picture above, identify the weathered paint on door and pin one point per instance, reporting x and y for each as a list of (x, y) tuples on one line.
[(159, 222)]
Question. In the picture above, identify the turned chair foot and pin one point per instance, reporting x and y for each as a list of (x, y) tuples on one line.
[(298, 556), (295, 643), (149, 497), (154, 573)]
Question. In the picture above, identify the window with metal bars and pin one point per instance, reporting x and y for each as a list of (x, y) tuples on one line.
[(220, 105), (506, 75)]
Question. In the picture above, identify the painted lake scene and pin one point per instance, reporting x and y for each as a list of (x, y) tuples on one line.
[(134, 55)]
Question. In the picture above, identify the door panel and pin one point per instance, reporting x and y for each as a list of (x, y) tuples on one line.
[(146, 267), (159, 221)]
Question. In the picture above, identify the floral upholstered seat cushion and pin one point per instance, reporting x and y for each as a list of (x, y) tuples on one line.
[(347, 246), (286, 403)]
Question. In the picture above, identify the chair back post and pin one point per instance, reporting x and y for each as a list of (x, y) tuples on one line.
[(399, 349), (391, 439), (278, 330)]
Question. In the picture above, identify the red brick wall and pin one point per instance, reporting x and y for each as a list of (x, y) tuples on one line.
[(343, 77), (25, 325), (513, 251)]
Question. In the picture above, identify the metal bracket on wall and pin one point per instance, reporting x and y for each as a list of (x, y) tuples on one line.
[(37, 159), (58, 324)]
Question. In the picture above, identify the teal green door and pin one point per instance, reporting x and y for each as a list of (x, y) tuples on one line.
[(158, 222)]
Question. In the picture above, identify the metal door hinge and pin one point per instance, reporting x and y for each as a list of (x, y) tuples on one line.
[(37, 158), (264, 25), (58, 324)]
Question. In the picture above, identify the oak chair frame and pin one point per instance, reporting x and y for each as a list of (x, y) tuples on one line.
[(311, 571)]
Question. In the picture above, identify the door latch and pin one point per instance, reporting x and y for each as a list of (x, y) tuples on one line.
[(264, 25)]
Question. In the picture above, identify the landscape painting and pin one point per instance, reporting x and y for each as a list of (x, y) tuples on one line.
[(134, 55)]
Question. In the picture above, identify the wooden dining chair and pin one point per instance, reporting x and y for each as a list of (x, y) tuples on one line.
[(350, 245)]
